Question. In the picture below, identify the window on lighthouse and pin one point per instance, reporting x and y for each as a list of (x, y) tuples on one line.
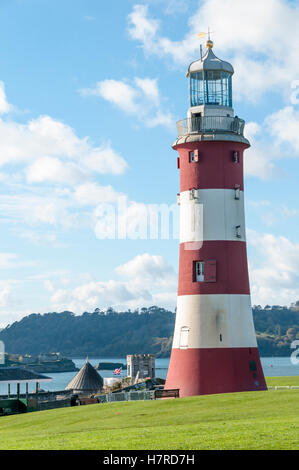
[(193, 156), (199, 271)]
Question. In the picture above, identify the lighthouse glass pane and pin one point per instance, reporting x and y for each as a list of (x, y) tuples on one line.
[(196, 89), (218, 88), (213, 87)]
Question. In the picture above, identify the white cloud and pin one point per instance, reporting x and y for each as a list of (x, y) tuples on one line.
[(95, 294), (35, 209), (272, 214), (52, 169), (283, 125), (148, 280), (281, 129), (117, 92), (44, 152), (150, 89), (93, 194), (275, 279), (5, 107), (258, 160), (265, 58), (148, 268), (48, 141), (6, 294), (141, 98), (143, 28), (104, 160)]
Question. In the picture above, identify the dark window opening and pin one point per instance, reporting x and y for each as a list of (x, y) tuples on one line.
[(236, 157), (193, 156), (252, 365)]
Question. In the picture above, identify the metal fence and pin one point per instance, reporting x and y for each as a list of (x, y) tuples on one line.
[(127, 396), (210, 124)]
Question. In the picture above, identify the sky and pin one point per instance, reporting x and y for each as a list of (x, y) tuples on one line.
[(90, 92)]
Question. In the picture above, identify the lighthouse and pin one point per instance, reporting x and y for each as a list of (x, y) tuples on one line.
[(214, 344)]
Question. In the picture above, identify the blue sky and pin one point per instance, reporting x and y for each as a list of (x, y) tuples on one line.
[(89, 97)]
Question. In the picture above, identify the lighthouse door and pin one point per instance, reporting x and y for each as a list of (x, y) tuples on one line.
[(184, 337)]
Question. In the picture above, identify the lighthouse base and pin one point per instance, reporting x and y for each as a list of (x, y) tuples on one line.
[(215, 370)]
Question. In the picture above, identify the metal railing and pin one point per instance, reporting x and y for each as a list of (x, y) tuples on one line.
[(126, 396), (204, 124)]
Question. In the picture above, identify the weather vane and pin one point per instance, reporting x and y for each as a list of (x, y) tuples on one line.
[(203, 34), (209, 43)]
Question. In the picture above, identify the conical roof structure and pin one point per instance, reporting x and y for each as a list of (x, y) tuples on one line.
[(210, 62), (86, 380)]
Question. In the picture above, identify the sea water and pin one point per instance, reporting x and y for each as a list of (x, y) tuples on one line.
[(272, 366)]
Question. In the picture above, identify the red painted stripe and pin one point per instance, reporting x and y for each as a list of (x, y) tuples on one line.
[(215, 370), (215, 169), (231, 268)]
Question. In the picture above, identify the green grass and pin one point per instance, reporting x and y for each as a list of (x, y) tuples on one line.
[(282, 381), (251, 420)]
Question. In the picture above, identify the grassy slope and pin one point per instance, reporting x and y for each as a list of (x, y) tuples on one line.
[(283, 381), (251, 420)]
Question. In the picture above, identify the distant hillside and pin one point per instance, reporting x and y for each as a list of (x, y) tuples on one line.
[(149, 330)]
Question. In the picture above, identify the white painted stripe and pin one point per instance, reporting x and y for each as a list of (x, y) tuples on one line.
[(206, 317), (214, 215)]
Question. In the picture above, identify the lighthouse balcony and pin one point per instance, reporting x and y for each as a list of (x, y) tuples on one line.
[(210, 124)]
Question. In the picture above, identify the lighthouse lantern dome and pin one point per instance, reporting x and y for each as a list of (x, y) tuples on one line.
[(210, 80)]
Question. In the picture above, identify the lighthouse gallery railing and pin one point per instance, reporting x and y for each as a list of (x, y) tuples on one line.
[(210, 124)]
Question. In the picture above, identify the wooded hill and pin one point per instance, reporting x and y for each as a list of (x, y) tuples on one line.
[(149, 330)]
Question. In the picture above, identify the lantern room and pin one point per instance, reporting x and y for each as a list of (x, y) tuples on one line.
[(210, 86)]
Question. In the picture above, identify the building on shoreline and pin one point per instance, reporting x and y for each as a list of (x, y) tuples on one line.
[(141, 366), (87, 380)]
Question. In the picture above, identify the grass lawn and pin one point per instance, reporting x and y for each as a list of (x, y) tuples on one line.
[(283, 381), (248, 420)]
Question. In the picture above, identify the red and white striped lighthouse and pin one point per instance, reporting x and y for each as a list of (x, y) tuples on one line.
[(214, 345)]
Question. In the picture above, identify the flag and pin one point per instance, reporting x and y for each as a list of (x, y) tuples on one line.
[(201, 35), (117, 371)]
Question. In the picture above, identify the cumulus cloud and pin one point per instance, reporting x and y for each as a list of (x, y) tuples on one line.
[(275, 279), (148, 268), (258, 160), (283, 126), (281, 129), (92, 194), (49, 171), (46, 142), (52, 169), (140, 98), (148, 279), (263, 57)]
